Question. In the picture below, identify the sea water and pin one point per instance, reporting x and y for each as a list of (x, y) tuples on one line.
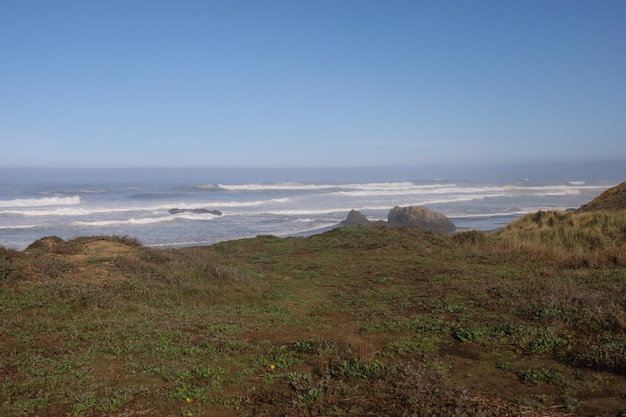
[(68, 203)]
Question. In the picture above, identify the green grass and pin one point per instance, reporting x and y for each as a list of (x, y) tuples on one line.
[(355, 321), (541, 376)]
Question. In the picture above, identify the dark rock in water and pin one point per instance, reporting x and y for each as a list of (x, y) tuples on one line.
[(420, 216), (354, 218), (197, 211), (612, 199)]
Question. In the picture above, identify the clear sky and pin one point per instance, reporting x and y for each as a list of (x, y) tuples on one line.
[(205, 83)]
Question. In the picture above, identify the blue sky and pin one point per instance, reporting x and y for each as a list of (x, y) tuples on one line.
[(310, 83)]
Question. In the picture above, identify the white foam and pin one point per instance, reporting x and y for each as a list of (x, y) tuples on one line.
[(413, 191), (305, 212), (510, 190), (401, 186), (453, 216), (148, 220), (244, 203), (288, 186), (22, 226), (86, 210), (209, 187), (41, 202), (184, 243), (300, 186), (195, 216), (556, 193), (409, 188), (87, 191), (344, 206), (512, 212), (69, 212), (131, 221)]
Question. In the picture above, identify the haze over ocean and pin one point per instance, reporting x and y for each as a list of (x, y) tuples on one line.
[(137, 202)]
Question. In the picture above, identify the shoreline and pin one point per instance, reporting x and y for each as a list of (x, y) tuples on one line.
[(307, 233), (279, 209), (488, 220)]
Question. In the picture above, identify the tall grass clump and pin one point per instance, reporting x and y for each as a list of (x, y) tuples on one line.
[(575, 239)]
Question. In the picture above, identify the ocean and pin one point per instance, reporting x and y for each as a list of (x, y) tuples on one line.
[(217, 204)]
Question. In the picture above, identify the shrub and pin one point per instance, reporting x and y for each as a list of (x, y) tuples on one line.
[(470, 237), (540, 376), (51, 267), (8, 271), (470, 334), (355, 368), (546, 342), (608, 353), (49, 244)]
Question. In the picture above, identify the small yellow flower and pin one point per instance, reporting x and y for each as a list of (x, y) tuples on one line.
[(189, 400), (272, 367)]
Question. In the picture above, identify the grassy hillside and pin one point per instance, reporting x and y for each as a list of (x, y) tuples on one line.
[(613, 199), (360, 320)]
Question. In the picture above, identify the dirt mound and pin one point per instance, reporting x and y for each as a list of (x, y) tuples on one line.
[(92, 260), (612, 199), (107, 248), (48, 244)]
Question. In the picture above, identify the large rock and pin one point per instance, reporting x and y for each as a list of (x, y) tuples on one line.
[(420, 216), (405, 216), (354, 218)]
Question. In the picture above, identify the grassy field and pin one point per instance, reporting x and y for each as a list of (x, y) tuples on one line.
[(362, 320)]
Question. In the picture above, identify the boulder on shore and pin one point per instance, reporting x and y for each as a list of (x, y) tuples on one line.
[(354, 218), (420, 216), (405, 216), (197, 211)]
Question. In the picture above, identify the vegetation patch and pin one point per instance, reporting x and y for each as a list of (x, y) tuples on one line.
[(363, 320), (539, 376)]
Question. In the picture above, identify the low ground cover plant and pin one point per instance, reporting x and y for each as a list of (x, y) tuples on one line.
[(529, 320)]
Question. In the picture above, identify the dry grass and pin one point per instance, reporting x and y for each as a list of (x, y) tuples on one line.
[(567, 239)]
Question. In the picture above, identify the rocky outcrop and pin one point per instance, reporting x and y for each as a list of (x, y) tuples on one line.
[(354, 218), (197, 211), (612, 199), (420, 216), (406, 216)]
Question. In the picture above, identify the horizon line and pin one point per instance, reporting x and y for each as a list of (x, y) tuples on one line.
[(441, 165)]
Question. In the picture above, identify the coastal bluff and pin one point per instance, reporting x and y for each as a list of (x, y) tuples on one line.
[(419, 216), (613, 199)]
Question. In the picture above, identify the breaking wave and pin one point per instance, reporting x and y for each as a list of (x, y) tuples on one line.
[(41, 202), (147, 220), (86, 210)]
